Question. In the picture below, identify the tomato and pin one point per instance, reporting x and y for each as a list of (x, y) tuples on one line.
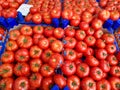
[(104, 65), (28, 18), (35, 80), (14, 34), (6, 84), (91, 9), (115, 71), (115, 83), (37, 18), (98, 34), (11, 13), (57, 46), (47, 18), (35, 52), (67, 14), (82, 70), (6, 70), (55, 13), (46, 70), (96, 24), (110, 48), (96, 73), (60, 80), (69, 68), (21, 69), (70, 31), (80, 34), (112, 60), (43, 43), (11, 45), (26, 30), (79, 55), (73, 82), (35, 65), (81, 46), (103, 85), (101, 54), (58, 33), (75, 21), (84, 26), (20, 1), (48, 31), (108, 38), (7, 57), (90, 40), (104, 15), (90, 31), (22, 55), (114, 15), (88, 84), (100, 44), (24, 41), (38, 29), (5, 5), (33, 10), (88, 52), (37, 38), (14, 5), (21, 83), (47, 83)]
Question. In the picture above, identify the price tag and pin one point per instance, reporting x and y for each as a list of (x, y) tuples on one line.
[(24, 9)]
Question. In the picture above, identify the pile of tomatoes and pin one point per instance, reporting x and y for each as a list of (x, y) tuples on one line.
[(8, 8), (85, 57)]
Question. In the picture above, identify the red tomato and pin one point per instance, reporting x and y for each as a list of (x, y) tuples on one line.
[(100, 44), (96, 73), (69, 31), (90, 31), (81, 46), (103, 85), (88, 84), (115, 71), (55, 13), (75, 21), (43, 43), (84, 26), (21, 83), (112, 60), (11, 13), (90, 40), (35, 80), (69, 68), (67, 14), (7, 57), (6, 70), (104, 15), (26, 30), (21, 69), (6, 84), (38, 29), (46, 70), (47, 19), (14, 34), (35, 52), (37, 38), (22, 55), (73, 82), (58, 33), (5, 5), (14, 5), (60, 80), (79, 55), (37, 18), (98, 34), (28, 18), (24, 41), (110, 48), (82, 70), (35, 65), (48, 31), (20, 1), (11, 45), (80, 34), (114, 15), (33, 10), (88, 52), (108, 38)]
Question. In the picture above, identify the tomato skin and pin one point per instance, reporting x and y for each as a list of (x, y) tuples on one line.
[(28, 18), (103, 84), (11, 45), (67, 14), (6, 84), (74, 22), (60, 80), (55, 13), (35, 52), (73, 82), (88, 52), (112, 60), (111, 48), (58, 33), (100, 44), (37, 18), (22, 55), (69, 68), (115, 83), (48, 31), (35, 65), (115, 71), (26, 30), (82, 70), (21, 83), (90, 31), (108, 38), (14, 34), (84, 26), (37, 38), (70, 32), (35, 80), (104, 15), (7, 57), (5, 5), (43, 43), (33, 10), (80, 34), (98, 34), (114, 15), (104, 65), (6, 70), (38, 29), (21, 69), (46, 70), (90, 40), (81, 46)]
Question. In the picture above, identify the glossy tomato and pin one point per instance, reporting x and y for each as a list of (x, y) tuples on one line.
[(14, 34), (108, 38), (90, 40), (98, 34), (38, 29), (90, 31), (115, 71), (11, 45), (110, 48), (37, 18), (81, 46), (112, 60), (100, 44), (84, 26), (88, 52), (80, 34), (43, 43), (48, 31), (58, 33), (37, 38), (69, 31)]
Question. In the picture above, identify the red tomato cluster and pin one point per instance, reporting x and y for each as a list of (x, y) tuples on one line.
[(8, 8), (34, 53)]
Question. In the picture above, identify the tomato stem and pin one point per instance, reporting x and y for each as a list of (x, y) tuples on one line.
[(3, 85), (22, 84), (103, 85), (90, 84), (118, 85), (82, 69), (74, 83)]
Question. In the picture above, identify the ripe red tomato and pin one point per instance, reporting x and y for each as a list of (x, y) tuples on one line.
[(80, 34), (43, 43), (96, 73), (90, 40), (103, 84), (88, 52), (88, 84), (114, 15), (70, 31), (84, 26), (35, 65), (69, 68), (14, 5), (14, 34), (35, 80), (100, 44), (112, 60), (11, 45), (28, 18), (96, 24), (37, 18), (81, 46), (33, 10), (5, 5), (38, 29), (110, 48), (115, 71), (37, 38), (73, 82), (21, 83), (22, 55), (58, 33), (82, 70), (7, 57), (67, 14), (6, 84), (104, 15), (11, 13), (26, 30), (108, 38), (60, 80), (98, 34), (46, 70), (75, 20), (21, 69), (55, 13), (90, 31), (47, 18), (48, 31)]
